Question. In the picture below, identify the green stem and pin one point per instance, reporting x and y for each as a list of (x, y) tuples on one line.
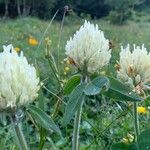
[(75, 144), (49, 25), (19, 134), (59, 40), (136, 119), (42, 138), (76, 127), (56, 109), (53, 69), (54, 72)]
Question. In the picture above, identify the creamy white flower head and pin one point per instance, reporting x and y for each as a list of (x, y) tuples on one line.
[(18, 80), (89, 48), (134, 67)]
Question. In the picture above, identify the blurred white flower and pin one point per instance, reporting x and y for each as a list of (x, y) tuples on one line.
[(134, 67), (88, 48), (18, 81)]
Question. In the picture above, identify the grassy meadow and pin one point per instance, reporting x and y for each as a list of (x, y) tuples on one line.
[(104, 121)]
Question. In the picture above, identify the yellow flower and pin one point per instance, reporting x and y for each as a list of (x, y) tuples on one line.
[(17, 49), (67, 68), (32, 41), (125, 140), (141, 110), (48, 41), (128, 139)]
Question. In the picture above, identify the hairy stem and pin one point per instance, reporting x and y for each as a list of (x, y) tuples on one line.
[(76, 127), (75, 141), (136, 119), (19, 134), (56, 109)]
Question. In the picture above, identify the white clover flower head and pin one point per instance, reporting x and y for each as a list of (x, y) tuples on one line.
[(18, 80), (134, 68), (88, 48)]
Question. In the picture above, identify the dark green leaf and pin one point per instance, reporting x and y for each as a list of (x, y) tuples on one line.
[(123, 146), (71, 84), (147, 101), (43, 119), (119, 91), (75, 100), (144, 140), (96, 85)]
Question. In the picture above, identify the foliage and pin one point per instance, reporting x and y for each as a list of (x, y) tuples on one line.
[(121, 10), (43, 119), (104, 121), (42, 9), (71, 84), (95, 8), (142, 143)]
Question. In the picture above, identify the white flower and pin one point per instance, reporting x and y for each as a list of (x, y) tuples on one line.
[(135, 67), (88, 48), (18, 81)]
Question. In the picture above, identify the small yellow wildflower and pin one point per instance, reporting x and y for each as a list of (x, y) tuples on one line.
[(141, 110), (48, 41), (17, 49), (32, 41), (67, 69), (128, 139), (125, 140)]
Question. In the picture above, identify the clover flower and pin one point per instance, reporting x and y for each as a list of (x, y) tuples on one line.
[(18, 80), (88, 49), (134, 68)]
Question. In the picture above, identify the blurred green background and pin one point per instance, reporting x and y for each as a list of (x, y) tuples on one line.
[(23, 23)]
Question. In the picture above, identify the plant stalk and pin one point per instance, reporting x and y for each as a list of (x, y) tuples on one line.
[(75, 141), (19, 134), (136, 119), (56, 109), (76, 127)]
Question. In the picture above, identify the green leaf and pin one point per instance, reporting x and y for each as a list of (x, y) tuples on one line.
[(71, 84), (144, 140), (96, 86), (119, 91), (123, 146), (75, 100), (147, 101), (42, 119)]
